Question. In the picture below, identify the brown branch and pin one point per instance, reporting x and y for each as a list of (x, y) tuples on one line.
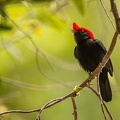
[(75, 109), (116, 15), (100, 98), (47, 105), (97, 94)]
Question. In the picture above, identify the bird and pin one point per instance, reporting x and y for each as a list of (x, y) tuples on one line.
[(89, 52)]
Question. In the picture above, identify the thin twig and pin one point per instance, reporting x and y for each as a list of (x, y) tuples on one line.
[(75, 109), (44, 74), (107, 14), (116, 15), (107, 110), (38, 51), (46, 106), (100, 98), (97, 94)]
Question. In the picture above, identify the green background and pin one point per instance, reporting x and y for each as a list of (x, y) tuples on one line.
[(29, 79)]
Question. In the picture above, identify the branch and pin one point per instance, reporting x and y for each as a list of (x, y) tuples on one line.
[(107, 14), (47, 105), (100, 98), (75, 109), (116, 15), (97, 94)]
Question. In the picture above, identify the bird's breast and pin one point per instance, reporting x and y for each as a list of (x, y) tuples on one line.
[(88, 57)]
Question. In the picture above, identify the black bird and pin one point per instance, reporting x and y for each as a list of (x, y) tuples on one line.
[(90, 52)]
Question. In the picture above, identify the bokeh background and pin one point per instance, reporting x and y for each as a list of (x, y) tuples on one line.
[(37, 62)]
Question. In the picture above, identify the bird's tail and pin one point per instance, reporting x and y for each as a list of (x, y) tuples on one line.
[(105, 88)]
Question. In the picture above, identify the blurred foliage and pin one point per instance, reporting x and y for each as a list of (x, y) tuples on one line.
[(37, 62)]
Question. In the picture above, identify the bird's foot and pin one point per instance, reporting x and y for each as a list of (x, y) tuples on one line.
[(77, 90)]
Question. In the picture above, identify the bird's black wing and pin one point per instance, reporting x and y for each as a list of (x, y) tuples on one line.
[(100, 45), (103, 49), (75, 52)]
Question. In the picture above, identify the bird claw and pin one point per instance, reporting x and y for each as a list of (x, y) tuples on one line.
[(77, 90)]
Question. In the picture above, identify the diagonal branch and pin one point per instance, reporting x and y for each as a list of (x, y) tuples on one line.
[(107, 110), (107, 14), (116, 15), (102, 63), (100, 98)]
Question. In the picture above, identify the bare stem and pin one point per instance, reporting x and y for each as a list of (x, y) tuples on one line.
[(106, 108), (100, 98), (107, 14), (75, 109), (116, 15)]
